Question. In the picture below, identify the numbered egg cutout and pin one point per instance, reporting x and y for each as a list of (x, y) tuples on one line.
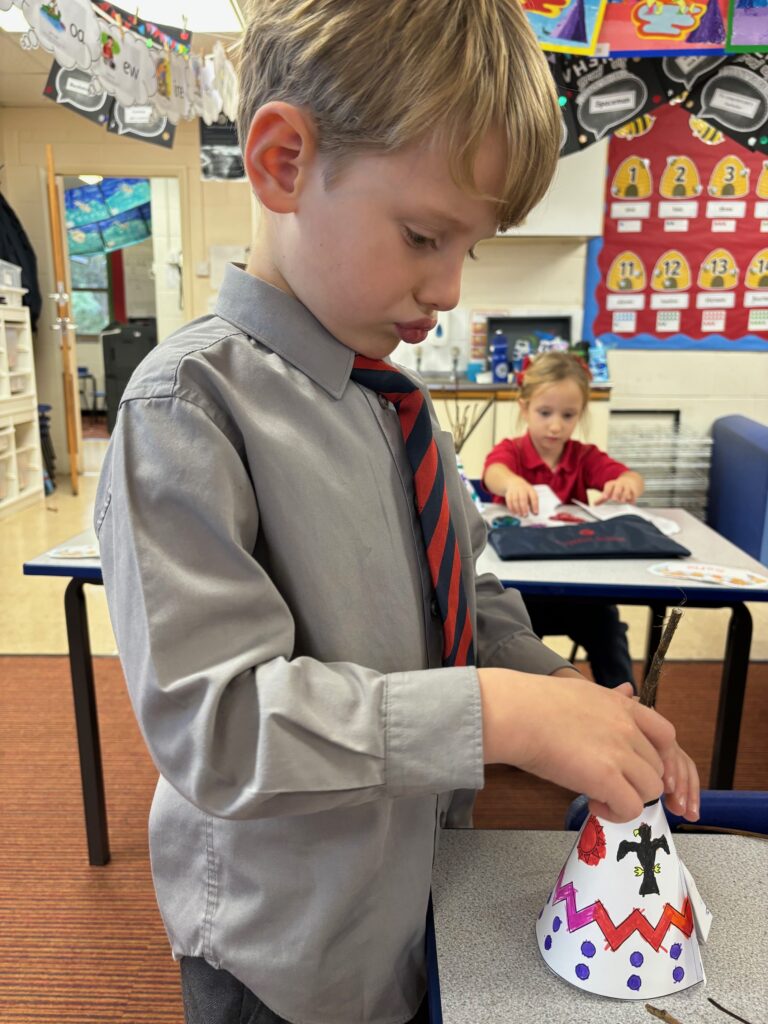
[(718, 272), (632, 179), (730, 178), (705, 132), (634, 129), (627, 273), (757, 273), (680, 179), (672, 273), (762, 182)]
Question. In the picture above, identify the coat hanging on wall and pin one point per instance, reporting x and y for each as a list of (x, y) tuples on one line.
[(16, 248)]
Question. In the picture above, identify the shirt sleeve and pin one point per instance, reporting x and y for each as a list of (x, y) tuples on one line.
[(233, 720), (507, 453), (600, 468), (504, 635)]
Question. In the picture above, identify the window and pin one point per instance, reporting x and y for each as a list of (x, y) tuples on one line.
[(90, 293)]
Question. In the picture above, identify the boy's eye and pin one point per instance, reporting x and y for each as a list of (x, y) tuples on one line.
[(419, 241)]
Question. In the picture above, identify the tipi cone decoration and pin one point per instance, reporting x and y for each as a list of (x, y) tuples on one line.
[(620, 921), (623, 917)]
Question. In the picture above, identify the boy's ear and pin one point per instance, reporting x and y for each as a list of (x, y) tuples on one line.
[(278, 151)]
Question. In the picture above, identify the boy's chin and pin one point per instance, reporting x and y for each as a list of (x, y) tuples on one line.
[(374, 347)]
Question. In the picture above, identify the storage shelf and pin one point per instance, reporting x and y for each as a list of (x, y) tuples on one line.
[(21, 460)]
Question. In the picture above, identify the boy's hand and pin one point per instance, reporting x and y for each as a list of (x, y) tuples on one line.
[(588, 739), (521, 498)]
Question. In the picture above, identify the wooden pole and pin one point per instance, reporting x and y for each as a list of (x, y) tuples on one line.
[(64, 323)]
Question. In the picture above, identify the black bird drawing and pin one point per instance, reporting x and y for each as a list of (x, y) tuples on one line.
[(645, 850)]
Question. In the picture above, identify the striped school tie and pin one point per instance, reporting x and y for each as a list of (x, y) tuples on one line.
[(431, 502)]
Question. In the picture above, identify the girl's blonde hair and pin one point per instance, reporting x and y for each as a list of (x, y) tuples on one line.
[(551, 368), (383, 74)]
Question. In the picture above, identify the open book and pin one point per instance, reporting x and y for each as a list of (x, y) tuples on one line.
[(611, 509)]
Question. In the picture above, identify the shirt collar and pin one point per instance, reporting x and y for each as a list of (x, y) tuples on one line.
[(285, 325), (532, 460)]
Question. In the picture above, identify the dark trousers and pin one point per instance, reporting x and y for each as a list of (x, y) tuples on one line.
[(595, 627), (216, 997)]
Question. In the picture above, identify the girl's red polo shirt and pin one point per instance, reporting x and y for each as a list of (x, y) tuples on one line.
[(580, 466)]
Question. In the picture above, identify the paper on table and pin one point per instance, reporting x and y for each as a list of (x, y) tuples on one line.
[(611, 509), (548, 503), (701, 572)]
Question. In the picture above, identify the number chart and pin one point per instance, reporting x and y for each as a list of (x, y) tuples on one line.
[(684, 256)]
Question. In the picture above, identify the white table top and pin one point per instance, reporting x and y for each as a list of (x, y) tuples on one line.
[(630, 576), (489, 886)]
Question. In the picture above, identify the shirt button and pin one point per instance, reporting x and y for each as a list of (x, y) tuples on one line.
[(434, 608)]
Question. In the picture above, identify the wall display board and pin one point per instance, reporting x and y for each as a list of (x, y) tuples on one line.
[(684, 260), (734, 98), (566, 26), (664, 27), (598, 97), (747, 25)]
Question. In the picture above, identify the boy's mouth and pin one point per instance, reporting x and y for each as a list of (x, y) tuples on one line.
[(415, 331)]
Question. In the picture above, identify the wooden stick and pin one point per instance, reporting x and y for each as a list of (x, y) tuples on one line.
[(662, 1014), (648, 691)]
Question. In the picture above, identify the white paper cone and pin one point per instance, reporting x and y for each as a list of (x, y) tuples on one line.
[(619, 921)]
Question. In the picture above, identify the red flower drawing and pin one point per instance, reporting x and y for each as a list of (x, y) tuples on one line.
[(592, 842)]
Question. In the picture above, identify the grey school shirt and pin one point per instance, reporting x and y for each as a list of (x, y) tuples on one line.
[(271, 599)]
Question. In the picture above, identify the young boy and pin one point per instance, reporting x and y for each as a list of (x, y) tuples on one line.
[(307, 692)]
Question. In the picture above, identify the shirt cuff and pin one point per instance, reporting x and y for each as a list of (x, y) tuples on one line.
[(434, 731)]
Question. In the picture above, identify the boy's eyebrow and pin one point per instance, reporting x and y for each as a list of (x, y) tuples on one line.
[(448, 219)]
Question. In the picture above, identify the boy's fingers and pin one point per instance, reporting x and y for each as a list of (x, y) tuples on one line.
[(623, 803), (657, 729), (644, 779)]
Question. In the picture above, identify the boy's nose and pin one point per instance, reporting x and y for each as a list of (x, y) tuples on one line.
[(442, 289)]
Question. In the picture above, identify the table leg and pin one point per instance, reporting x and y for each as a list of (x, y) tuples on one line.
[(89, 749), (655, 629), (732, 687)]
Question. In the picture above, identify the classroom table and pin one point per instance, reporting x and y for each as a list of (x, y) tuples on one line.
[(623, 581), (489, 886), (628, 581)]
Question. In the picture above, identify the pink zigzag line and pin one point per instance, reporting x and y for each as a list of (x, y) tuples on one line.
[(576, 918)]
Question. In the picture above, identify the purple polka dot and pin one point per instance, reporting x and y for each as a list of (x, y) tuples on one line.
[(678, 974), (582, 971), (634, 982), (548, 942), (587, 949), (556, 924), (637, 959), (675, 951)]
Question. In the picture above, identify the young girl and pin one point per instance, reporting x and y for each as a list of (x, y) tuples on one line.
[(554, 391)]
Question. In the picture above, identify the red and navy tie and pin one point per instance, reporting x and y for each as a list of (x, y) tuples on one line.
[(431, 502)]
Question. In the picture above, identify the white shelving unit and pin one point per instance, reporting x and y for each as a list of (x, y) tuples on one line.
[(21, 463)]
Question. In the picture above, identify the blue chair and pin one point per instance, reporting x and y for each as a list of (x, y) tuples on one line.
[(729, 809)]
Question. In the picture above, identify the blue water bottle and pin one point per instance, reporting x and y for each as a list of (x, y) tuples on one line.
[(499, 358)]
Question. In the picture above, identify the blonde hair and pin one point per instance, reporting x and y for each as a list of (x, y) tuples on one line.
[(384, 74), (552, 368)]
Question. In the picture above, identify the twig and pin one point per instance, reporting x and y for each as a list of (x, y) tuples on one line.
[(729, 1012), (661, 1014), (648, 691)]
